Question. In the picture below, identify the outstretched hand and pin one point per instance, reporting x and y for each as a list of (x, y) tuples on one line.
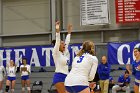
[(57, 26), (69, 28)]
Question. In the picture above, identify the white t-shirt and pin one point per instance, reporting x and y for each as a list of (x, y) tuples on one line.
[(24, 73), (83, 70), (61, 59), (11, 71)]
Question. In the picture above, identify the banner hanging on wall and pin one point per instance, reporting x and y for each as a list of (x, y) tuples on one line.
[(127, 11), (94, 12), (122, 53), (36, 55)]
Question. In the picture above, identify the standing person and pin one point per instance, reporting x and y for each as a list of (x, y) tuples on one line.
[(136, 69), (123, 83), (104, 71), (60, 59), (11, 76), (25, 71), (83, 70), (2, 76)]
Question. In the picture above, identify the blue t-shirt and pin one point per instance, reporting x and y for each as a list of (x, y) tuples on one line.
[(135, 71), (121, 79)]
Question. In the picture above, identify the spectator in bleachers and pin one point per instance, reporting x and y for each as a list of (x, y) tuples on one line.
[(11, 76), (25, 71), (136, 69), (2, 76), (84, 67), (123, 83), (111, 82), (60, 56), (104, 71)]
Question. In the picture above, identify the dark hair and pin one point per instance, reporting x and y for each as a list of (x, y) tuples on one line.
[(137, 49), (53, 42), (24, 59), (126, 72)]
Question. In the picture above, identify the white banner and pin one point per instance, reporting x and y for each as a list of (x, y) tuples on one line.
[(94, 12)]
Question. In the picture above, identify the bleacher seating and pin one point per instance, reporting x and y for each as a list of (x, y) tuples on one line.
[(116, 72), (46, 77)]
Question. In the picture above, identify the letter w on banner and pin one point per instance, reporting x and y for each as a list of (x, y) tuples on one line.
[(122, 53)]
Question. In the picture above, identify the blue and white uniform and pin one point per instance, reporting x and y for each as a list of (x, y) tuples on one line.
[(11, 73), (61, 60), (25, 74), (2, 69), (83, 70), (136, 73)]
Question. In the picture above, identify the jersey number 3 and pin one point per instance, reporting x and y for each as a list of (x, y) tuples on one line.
[(80, 59)]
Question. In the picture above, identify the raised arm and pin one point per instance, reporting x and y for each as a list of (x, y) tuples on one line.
[(128, 67), (57, 43), (67, 40), (93, 69)]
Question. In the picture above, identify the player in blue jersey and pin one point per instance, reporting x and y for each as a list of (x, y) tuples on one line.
[(61, 60), (136, 69)]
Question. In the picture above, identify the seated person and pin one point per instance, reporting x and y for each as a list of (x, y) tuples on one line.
[(111, 82), (123, 83)]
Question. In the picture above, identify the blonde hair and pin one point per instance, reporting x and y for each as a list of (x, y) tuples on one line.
[(87, 47)]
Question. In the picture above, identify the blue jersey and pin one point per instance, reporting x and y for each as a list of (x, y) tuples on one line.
[(121, 79), (135, 71), (104, 71)]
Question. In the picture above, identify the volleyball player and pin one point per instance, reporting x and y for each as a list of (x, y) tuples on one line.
[(25, 71), (84, 67), (11, 76), (2, 76), (60, 59), (136, 69)]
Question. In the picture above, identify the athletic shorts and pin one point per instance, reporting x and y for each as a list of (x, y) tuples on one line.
[(11, 78), (25, 77), (137, 82), (75, 89), (59, 77)]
